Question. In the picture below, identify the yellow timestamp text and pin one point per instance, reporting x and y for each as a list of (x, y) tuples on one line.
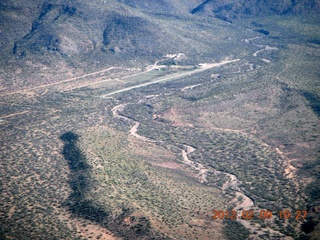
[(262, 214)]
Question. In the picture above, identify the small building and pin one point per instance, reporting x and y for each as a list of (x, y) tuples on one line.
[(202, 64)]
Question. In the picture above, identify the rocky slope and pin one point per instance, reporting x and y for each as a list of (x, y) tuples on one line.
[(231, 9), (73, 28)]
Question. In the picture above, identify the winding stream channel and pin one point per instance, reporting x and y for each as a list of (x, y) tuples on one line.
[(240, 201), (232, 182)]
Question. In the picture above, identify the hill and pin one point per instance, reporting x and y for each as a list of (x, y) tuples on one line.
[(127, 119), (233, 9)]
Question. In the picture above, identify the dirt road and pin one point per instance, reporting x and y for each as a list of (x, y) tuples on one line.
[(173, 76), (63, 81)]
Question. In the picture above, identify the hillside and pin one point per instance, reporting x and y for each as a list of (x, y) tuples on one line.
[(85, 34), (233, 9), (127, 119)]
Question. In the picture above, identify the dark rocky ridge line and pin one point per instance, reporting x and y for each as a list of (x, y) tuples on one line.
[(243, 8), (70, 29)]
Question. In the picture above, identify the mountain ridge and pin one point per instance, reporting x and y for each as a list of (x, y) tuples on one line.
[(49, 19), (101, 33), (242, 8)]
